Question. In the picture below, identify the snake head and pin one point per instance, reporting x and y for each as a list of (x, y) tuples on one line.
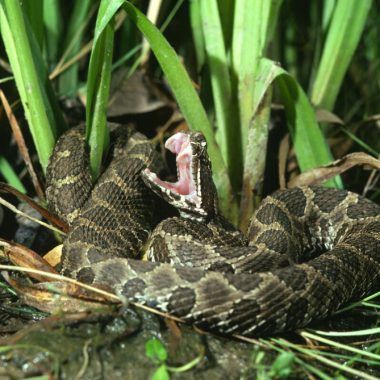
[(193, 194)]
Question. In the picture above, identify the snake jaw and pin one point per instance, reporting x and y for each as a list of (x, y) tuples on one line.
[(184, 192)]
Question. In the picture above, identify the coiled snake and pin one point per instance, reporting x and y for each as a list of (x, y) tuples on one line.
[(308, 250)]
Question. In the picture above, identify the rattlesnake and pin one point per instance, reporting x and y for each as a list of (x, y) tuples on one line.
[(308, 249)]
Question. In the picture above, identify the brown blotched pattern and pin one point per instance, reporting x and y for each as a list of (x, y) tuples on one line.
[(212, 276)]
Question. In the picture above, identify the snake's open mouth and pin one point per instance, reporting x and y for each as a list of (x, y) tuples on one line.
[(185, 186)]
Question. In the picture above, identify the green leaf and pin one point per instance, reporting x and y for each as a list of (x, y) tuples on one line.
[(161, 373), (343, 36), (155, 350), (10, 175), (282, 365), (254, 22), (98, 84), (34, 10), (310, 145), (39, 103), (196, 29), (228, 134), (53, 23), (68, 80)]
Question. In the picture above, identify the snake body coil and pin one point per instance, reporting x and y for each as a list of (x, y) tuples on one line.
[(307, 252)]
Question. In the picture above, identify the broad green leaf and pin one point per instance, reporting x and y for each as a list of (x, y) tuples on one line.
[(343, 36), (161, 373), (155, 350), (254, 23), (310, 145)]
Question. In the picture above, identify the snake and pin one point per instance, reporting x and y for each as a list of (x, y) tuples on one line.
[(307, 251)]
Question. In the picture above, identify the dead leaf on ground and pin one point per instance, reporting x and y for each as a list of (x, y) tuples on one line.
[(27, 258), (55, 292), (324, 116), (133, 95), (323, 173), (60, 296), (53, 257)]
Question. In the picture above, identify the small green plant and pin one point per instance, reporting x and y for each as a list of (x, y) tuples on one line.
[(156, 351), (280, 368)]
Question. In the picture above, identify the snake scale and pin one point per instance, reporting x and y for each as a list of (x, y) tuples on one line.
[(308, 250)]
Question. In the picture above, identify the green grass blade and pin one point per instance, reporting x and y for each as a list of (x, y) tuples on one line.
[(346, 28), (228, 134), (246, 48), (53, 23), (187, 99), (328, 10), (255, 157), (196, 29), (34, 10), (341, 346), (254, 23), (28, 72), (98, 84), (371, 331), (10, 175), (226, 11), (68, 81), (311, 148)]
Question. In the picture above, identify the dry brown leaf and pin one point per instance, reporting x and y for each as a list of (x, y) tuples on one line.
[(324, 116), (57, 296), (25, 257), (53, 257), (323, 173), (133, 95)]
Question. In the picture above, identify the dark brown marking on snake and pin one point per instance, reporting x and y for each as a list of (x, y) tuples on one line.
[(277, 241), (95, 255), (86, 275), (244, 282), (328, 200), (295, 277), (182, 301), (294, 199), (363, 209), (270, 213), (134, 286), (221, 267)]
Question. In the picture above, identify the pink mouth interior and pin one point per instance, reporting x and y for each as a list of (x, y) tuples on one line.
[(178, 144)]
